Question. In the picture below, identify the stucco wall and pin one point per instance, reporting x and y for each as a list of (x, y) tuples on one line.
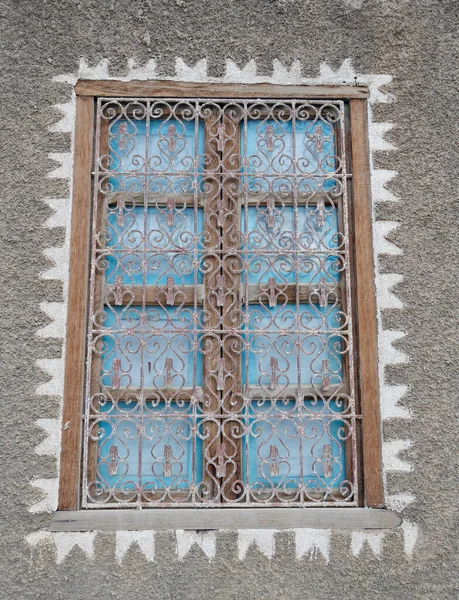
[(408, 52)]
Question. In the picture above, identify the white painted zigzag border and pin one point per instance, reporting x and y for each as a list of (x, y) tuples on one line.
[(308, 542)]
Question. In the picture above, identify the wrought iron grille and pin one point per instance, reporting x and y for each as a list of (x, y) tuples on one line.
[(220, 347)]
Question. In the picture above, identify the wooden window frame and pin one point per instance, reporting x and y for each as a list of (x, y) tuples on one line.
[(365, 355)]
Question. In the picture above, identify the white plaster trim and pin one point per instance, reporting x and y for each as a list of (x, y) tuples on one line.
[(391, 395), (312, 543), (187, 539), (64, 542), (262, 539), (373, 540), (145, 540), (50, 488)]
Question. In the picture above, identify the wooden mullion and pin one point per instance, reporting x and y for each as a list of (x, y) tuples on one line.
[(365, 299), (231, 318), (70, 460), (210, 341)]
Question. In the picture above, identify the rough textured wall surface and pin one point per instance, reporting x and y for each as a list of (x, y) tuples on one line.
[(416, 43)]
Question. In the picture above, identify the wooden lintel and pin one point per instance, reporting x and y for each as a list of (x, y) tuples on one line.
[(174, 89)]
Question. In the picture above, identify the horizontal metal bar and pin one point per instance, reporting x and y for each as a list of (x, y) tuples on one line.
[(154, 295), (187, 199), (230, 518)]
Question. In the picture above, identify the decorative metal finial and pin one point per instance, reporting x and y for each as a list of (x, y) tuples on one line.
[(170, 211), (168, 366), (273, 460), (269, 138), (270, 215), (221, 466), (116, 373), (119, 290), (114, 456), (170, 291), (171, 138), (327, 456), (273, 381), (167, 455), (122, 131)]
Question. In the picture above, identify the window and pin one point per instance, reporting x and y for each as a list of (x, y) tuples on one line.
[(221, 333)]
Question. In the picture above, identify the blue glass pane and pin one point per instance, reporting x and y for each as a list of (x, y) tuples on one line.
[(157, 348), (274, 155), (314, 247), (148, 247), (163, 436), (272, 335), (164, 161), (276, 446)]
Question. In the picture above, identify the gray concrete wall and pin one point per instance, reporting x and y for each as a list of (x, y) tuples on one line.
[(414, 42)]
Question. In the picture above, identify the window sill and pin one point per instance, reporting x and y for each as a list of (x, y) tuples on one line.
[(232, 518)]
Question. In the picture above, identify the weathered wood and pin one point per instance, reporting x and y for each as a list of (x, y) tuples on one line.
[(232, 400), (366, 306), (233, 518), (77, 306), (171, 89), (211, 342)]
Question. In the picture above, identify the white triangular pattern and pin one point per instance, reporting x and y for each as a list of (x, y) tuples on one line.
[(372, 539), (382, 245), (64, 542), (186, 539), (387, 298), (399, 502), (61, 214), (186, 73), (410, 536), (312, 542), (60, 270), (66, 123), (246, 74), (380, 178), (50, 446), (99, 71), (57, 312), (148, 71), (55, 368), (390, 397), (286, 75), (144, 539), (263, 539), (391, 460), (64, 170), (390, 355), (50, 488), (377, 131)]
